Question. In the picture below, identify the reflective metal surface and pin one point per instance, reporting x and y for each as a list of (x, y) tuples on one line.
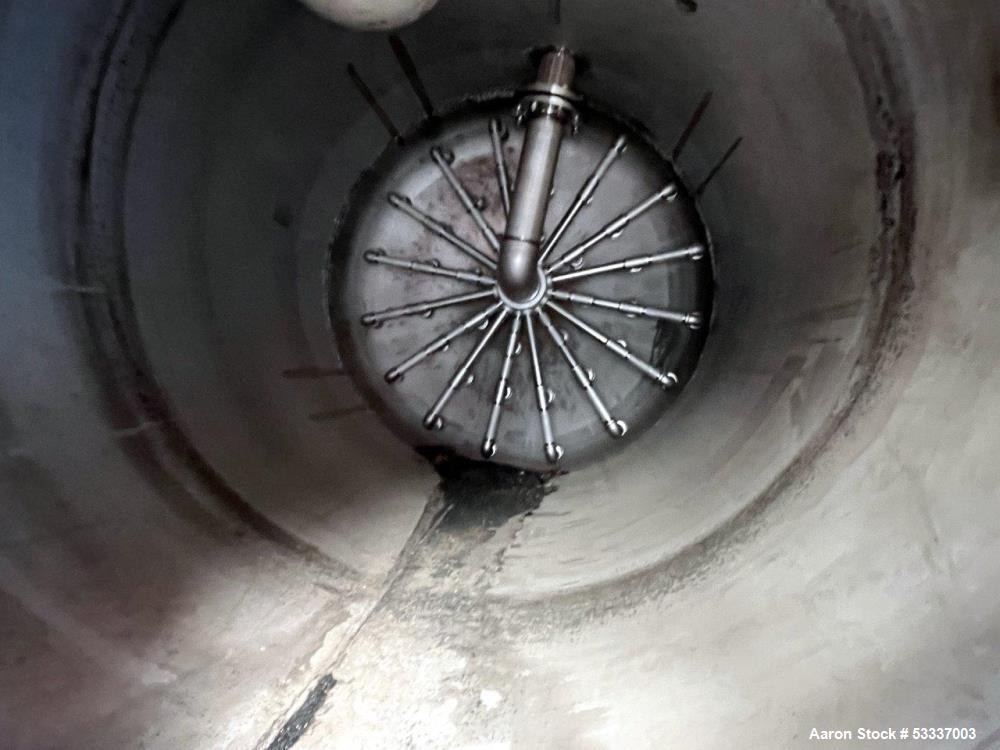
[(446, 195)]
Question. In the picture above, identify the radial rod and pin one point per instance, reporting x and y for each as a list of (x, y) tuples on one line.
[(489, 447), (615, 427), (503, 178), (666, 379), (439, 343), (585, 194), (440, 229), (422, 308), (444, 164), (616, 226), (543, 397), (637, 263), (433, 420), (692, 320), (379, 257)]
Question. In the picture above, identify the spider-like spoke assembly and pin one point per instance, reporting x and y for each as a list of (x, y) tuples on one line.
[(520, 288)]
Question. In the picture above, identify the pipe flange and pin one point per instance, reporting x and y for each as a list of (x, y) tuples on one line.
[(548, 105)]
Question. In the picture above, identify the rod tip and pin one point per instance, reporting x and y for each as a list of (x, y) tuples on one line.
[(489, 449), (553, 453), (694, 320), (498, 127), (433, 421), (668, 380), (440, 155), (669, 192), (616, 427)]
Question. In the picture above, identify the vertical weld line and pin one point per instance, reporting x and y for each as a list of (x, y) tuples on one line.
[(369, 97), (409, 68), (696, 116), (555, 8), (715, 170)]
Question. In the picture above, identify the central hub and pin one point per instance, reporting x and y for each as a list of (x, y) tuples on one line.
[(519, 278), (534, 301)]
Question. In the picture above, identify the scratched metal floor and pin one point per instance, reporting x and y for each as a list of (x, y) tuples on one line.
[(210, 540)]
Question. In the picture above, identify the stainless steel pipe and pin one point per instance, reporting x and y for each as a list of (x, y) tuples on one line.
[(546, 112)]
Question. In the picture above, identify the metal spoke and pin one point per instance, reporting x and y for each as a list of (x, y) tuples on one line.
[(439, 343), (433, 419), (585, 194), (543, 396), (615, 427), (503, 391), (692, 320), (635, 264), (616, 226), (433, 268), (426, 308), (440, 229), (666, 379), (503, 178), (444, 164)]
